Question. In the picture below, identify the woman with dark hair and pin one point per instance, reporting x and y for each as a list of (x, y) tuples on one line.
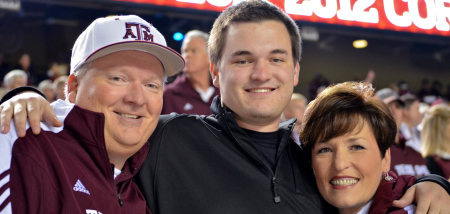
[(347, 134)]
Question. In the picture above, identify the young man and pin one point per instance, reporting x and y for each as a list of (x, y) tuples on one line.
[(193, 91), (240, 159), (114, 99)]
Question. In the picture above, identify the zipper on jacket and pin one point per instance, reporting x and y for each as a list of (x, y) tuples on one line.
[(276, 198), (120, 200)]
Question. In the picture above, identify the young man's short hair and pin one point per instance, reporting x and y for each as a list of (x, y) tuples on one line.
[(260, 11)]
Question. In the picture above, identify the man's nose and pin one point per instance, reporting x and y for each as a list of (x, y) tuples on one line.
[(261, 71), (135, 94)]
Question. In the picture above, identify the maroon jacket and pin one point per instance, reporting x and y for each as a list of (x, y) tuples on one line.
[(389, 191), (181, 97), (67, 170), (407, 161)]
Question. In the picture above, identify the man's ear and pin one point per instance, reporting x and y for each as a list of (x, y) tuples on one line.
[(214, 74), (72, 88), (296, 74)]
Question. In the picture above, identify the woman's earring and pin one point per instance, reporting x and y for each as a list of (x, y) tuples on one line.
[(387, 177)]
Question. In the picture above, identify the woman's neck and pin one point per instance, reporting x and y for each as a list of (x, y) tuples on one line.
[(363, 209)]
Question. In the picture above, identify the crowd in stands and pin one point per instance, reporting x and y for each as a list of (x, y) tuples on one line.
[(23, 73)]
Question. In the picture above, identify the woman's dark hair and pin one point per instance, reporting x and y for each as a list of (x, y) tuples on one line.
[(339, 109)]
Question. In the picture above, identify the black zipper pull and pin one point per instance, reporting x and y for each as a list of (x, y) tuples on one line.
[(120, 200), (276, 198)]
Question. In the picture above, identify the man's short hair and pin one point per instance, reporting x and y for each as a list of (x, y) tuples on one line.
[(196, 34), (250, 11), (10, 76)]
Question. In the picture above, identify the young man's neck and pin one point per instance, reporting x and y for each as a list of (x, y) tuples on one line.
[(259, 125), (199, 80)]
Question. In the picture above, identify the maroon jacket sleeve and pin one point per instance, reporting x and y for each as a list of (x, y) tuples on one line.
[(388, 191), (30, 187)]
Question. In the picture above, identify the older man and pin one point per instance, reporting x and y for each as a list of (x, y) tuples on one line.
[(193, 91), (15, 79), (114, 98), (240, 159)]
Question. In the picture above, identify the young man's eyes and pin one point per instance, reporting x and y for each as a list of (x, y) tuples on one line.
[(242, 62)]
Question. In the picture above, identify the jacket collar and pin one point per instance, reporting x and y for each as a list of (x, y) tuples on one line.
[(227, 121), (88, 127)]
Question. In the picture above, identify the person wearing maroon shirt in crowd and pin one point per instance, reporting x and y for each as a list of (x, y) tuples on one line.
[(114, 100), (435, 140), (347, 133), (193, 91), (405, 160)]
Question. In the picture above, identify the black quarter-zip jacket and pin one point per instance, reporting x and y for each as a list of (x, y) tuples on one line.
[(207, 164)]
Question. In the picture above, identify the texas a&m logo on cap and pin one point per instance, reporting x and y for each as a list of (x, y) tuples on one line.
[(142, 32)]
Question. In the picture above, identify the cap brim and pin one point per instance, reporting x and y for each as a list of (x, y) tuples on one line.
[(171, 60)]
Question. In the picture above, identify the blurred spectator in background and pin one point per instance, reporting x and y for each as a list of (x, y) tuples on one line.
[(58, 87), (370, 76), (193, 91), (436, 140), (14, 79), (436, 90), (447, 95), (394, 87), (295, 109), (3, 68), (46, 86), (424, 93), (403, 88), (404, 159), (53, 70), (411, 119), (438, 101), (24, 64), (317, 82)]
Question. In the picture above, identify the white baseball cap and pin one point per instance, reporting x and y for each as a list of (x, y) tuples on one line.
[(117, 33)]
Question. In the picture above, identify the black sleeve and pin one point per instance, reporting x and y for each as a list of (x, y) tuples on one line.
[(436, 179), (433, 166), (19, 90)]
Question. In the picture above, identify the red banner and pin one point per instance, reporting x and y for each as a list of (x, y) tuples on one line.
[(416, 16)]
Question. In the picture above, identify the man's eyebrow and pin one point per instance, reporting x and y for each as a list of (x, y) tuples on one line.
[(279, 51), (241, 53)]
